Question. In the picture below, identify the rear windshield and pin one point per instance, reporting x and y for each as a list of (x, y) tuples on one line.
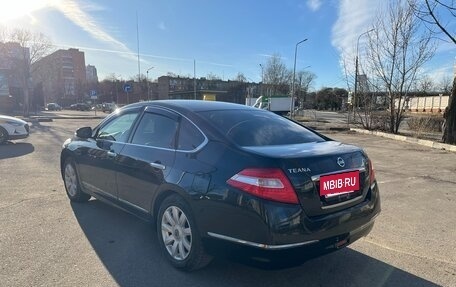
[(258, 128)]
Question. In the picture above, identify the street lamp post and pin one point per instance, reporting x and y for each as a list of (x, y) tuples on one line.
[(262, 79), (148, 84), (117, 92), (293, 80), (194, 79), (356, 72)]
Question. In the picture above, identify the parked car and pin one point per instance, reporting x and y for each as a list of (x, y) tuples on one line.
[(97, 107), (213, 173), (12, 129), (80, 107), (53, 107), (108, 107)]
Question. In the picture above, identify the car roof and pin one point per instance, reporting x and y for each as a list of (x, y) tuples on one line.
[(192, 105)]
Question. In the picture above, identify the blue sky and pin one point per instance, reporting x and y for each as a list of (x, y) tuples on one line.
[(223, 37)]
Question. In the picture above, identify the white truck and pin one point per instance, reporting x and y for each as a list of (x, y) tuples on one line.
[(277, 104)]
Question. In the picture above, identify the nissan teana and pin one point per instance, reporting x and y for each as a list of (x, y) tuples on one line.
[(208, 173)]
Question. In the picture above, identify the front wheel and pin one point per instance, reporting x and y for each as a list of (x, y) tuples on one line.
[(71, 180), (178, 236)]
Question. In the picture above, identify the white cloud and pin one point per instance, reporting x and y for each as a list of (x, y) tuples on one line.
[(358, 16), (444, 47), (314, 5), (73, 11), (354, 18)]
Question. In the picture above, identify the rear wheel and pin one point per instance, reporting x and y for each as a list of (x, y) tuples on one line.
[(71, 180), (3, 135), (178, 236)]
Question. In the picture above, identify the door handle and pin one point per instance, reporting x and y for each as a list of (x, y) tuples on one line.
[(111, 154), (157, 165)]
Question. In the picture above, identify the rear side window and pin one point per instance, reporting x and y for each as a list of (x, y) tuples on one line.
[(156, 130), (258, 128), (189, 136)]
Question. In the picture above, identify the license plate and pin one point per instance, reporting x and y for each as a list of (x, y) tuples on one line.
[(335, 184)]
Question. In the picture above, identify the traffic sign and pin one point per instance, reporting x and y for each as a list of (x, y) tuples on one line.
[(127, 88), (93, 95)]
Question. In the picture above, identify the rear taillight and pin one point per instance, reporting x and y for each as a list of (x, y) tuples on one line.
[(371, 173), (267, 183)]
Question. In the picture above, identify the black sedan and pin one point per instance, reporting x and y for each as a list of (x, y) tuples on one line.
[(209, 173)]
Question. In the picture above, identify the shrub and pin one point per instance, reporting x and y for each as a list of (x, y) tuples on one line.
[(380, 121), (421, 125)]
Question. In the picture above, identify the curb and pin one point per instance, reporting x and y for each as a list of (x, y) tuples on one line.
[(427, 143), (323, 128)]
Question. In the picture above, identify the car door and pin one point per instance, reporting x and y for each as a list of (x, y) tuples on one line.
[(146, 161), (98, 163)]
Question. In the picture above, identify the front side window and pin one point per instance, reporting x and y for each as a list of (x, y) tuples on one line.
[(118, 129), (156, 130)]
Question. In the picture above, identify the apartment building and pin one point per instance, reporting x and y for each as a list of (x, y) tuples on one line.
[(61, 77)]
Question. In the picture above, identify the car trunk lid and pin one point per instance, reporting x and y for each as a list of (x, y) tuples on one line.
[(322, 165)]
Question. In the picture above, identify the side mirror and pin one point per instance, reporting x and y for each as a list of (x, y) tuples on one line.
[(84, 133)]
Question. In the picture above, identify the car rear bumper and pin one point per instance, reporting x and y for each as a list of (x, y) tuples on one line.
[(283, 258), (331, 242), (269, 225)]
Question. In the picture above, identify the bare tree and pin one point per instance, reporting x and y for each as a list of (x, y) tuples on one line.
[(432, 13), (212, 77), (140, 84), (365, 103), (112, 77), (304, 81), (240, 77), (397, 50), (445, 84), (276, 75), (34, 47), (425, 84), (3, 34)]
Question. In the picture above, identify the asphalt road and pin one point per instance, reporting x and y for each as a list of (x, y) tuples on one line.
[(47, 241)]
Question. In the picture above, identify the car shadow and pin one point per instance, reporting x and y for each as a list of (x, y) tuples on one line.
[(15, 149), (128, 248), (54, 132)]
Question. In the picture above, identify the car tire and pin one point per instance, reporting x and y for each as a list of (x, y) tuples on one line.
[(178, 235), (3, 135), (71, 182)]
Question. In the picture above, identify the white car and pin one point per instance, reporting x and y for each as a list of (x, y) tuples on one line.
[(12, 129)]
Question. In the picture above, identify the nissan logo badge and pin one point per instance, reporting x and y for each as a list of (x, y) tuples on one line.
[(340, 162)]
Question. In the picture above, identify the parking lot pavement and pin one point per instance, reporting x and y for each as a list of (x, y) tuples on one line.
[(46, 241), (418, 190)]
